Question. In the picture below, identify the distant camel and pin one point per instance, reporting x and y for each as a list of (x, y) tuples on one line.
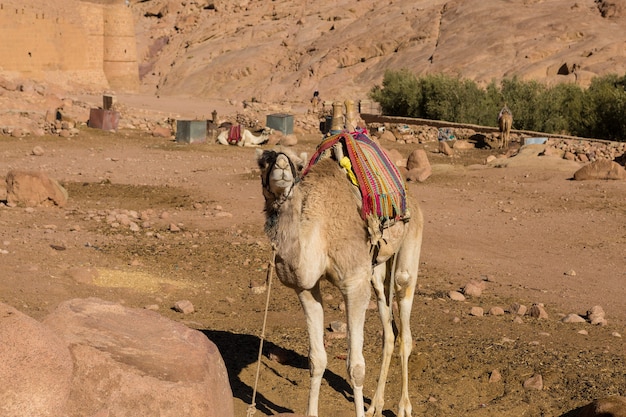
[(505, 121), (237, 135), (315, 224)]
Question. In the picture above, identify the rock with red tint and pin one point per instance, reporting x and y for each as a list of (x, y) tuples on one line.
[(136, 362), (35, 367)]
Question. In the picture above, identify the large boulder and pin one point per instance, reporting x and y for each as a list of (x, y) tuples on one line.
[(33, 188), (418, 166), (135, 362), (605, 407), (35, 367), (602, 169)]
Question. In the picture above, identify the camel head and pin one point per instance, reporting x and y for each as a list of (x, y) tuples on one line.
[(280, 171)]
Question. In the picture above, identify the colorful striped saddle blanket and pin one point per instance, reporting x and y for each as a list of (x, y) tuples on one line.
[(382, 188)]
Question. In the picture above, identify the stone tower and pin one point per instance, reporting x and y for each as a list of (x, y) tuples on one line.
[(119, 47)]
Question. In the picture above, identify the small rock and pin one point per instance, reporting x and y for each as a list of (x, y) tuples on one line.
[(570, 273), (518, 309), (174, 228), (37, 151), (474, 288), (495, 376), (538, 311), (338, 326), (456, 296), (476, 311), (496, 311), (573, 318), (534, 382), (183, 306)]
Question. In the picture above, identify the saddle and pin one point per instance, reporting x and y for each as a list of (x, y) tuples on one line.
[(380, 185), (234, 134)]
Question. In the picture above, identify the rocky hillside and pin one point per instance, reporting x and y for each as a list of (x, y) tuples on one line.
[(283, 50)]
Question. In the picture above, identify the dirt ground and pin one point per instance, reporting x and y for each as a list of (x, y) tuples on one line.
[(535, 235)]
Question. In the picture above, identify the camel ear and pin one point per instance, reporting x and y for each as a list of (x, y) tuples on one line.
[(303, 159)]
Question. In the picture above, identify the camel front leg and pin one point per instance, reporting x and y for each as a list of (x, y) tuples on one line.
[(384, 311), (311, 301)]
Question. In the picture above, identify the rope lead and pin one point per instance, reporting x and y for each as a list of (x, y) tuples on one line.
[(252, 407)]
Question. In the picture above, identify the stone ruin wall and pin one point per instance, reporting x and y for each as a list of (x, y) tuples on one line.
[(73, 43)]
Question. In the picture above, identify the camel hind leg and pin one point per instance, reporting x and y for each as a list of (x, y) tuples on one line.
[(405, 282), (380, 282), (407, 267)]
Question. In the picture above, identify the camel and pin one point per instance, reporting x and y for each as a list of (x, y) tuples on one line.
[(317, 231), (505, 122), (247, 138)]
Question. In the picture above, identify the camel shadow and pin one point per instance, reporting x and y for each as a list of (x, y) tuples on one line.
[(240, 350)]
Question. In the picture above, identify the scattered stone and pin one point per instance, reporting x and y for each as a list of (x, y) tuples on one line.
[(573, 318), (387, 136), (338, 326), (538, 311), (474, 288), (583, 332), (476, 311), (616, 334), (571, 273), (456, 296), (257, 288), (161, 132), (183, 306), (37, 151), (495, 376), (534, 382), (595, 316), (463, 145), (496, 311), (174, 228), (152, 307), (445, 149), (518, 309), (518, 320)]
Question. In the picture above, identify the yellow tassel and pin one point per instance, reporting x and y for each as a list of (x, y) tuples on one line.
[(345, 163)]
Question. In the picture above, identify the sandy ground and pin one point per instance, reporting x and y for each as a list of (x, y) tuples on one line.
[(535, 235)]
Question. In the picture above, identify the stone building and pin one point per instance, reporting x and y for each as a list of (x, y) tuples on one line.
[(77, 44)]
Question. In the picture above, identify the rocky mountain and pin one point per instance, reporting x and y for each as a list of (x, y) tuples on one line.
[(283, 50)]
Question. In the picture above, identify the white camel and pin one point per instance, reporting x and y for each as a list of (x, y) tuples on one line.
[(247, 137), (316, 228)]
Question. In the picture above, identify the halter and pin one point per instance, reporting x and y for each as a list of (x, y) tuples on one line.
[(266, 189)]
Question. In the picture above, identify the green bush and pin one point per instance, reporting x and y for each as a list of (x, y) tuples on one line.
[(599, 111)]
